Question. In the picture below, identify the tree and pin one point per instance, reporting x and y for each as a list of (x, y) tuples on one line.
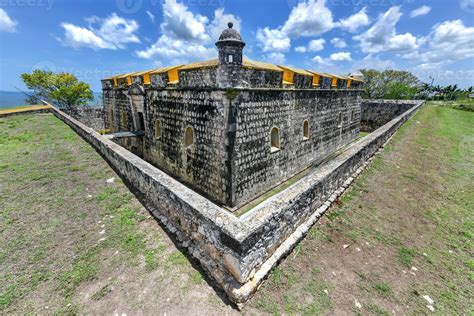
[(390, 84), (61, 89)]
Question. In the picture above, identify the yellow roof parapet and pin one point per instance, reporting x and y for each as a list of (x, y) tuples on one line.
[(296, 70), (165, 69), (322, 74), (202, 64), (172, 72), (252, 64)]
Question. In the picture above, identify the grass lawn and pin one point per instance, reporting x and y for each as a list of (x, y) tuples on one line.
[(73, 243)]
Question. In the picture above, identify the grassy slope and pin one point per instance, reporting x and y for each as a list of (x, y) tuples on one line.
[(408, 225), (70, 242), (64, 251)]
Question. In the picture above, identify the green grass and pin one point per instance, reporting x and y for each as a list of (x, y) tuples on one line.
[(412, 207), (463, 104), (63, 227), (383, 289), (405, 255)]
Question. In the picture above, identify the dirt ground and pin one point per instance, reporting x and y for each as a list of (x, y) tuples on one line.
[(74, 240)]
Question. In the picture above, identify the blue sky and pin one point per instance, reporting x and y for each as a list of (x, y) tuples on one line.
[(95, 39)]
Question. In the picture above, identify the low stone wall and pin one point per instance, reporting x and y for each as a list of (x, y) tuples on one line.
[(237, 252), (376, 113), (89, 115), (26, 110)]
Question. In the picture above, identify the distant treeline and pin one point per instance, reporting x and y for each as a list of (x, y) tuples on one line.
[(403, 85)]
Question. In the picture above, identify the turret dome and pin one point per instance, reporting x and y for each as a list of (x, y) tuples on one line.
[(230, 34)]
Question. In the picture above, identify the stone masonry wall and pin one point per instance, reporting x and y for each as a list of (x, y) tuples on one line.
[(202, 165), (117, 110), (376, 113), (89, 115), (239, 252), (257, 78), (257, 168), (198, 78)]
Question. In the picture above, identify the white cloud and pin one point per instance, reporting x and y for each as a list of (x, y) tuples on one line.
[(220, 21), (274, 58), (338, 42), (341, 56), (313, 46), (76, 36), (300, 49), (273, 40), (113, 32), (181, 23), (316, 45), (320, 60), (309, 18), (6, 23), (151, 16), (177, 51), (382, 35), (187, 37), (448, 42), (356, 21), (371, 62), (423, 10)]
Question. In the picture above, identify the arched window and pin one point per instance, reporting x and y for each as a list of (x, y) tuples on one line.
[(306, 129), (123, 119), (158, 129), (230, 59), (275, 139), (339, 120), (112, 120), (189, 137)]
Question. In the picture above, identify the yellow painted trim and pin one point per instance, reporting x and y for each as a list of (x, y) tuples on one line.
[(349, 83), (288, 76), (25, 109), (316, 79), (146, 78), (203, 64), (252, 64), (115, 82), (334, 82), (173, 77), (129, 80)]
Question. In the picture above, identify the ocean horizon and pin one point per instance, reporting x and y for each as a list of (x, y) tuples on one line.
[(10, 99)]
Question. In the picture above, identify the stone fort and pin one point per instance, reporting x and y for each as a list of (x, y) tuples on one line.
[(232, 128)]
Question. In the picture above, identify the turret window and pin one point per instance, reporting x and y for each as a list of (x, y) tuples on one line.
[(158, 129), (305, 130), (230, 59), (189, 137), (123, 119), (275, 139)]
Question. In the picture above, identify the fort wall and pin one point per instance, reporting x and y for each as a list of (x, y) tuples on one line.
[(259, 166), (376, 113), (231, 160), (202, 165), (239, 251)]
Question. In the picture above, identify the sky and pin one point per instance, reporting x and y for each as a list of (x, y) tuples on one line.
[(95, 39)]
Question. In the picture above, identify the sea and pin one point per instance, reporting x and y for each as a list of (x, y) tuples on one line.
[(10, 99)]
